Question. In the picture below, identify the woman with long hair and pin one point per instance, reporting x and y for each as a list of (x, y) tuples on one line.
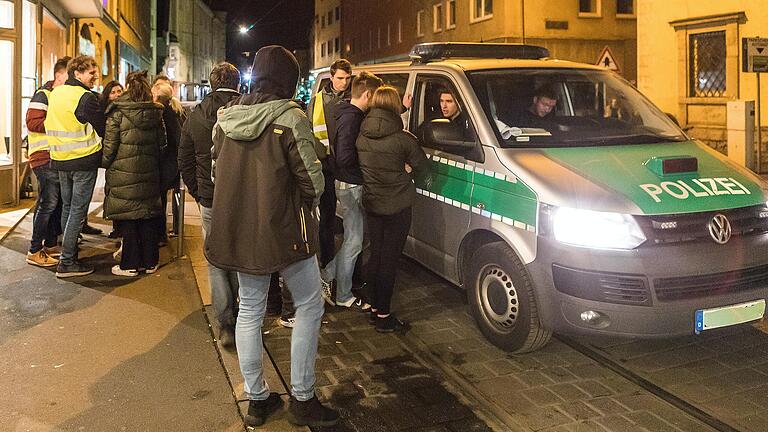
[(389, 158), (112, 91), (173, 116), (133, 143)]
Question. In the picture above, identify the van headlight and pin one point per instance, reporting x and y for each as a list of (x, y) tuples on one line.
[(592, 229)]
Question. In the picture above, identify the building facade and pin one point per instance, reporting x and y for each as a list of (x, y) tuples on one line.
[(326, 35), (194, 43), (588, 31), (33, 35), (690, 60)]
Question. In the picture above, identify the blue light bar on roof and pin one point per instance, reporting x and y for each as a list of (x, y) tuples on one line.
[(426, 52)]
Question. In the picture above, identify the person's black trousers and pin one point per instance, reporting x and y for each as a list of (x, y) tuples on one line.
[(140, 237), (327, 225), (388, 234)]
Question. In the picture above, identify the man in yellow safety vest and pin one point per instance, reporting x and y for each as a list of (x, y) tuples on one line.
[(322, 110), (47, 220), (74, 125)]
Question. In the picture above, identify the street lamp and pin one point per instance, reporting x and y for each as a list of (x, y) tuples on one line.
[(243, 30)]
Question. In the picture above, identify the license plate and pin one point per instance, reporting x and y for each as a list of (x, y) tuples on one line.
[(708, 319)]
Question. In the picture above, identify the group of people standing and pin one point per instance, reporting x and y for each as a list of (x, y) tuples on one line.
[(130, 131), (260, 168)]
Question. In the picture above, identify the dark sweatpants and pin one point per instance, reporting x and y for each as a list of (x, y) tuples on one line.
[(140, 237), (388, 235)]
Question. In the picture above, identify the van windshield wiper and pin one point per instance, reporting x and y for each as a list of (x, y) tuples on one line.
[(639, 138)]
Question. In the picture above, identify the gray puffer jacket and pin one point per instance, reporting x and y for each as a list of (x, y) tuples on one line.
[(133, 142)]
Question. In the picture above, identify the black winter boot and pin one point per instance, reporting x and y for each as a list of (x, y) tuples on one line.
[(259, 410), (311, 413)]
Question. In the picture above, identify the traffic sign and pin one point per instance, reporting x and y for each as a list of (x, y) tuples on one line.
[(755, 54), (607, 60)]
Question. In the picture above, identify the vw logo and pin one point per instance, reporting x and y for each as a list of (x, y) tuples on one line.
[(720, 229)]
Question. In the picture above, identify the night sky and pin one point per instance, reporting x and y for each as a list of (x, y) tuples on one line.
[(282, 22)]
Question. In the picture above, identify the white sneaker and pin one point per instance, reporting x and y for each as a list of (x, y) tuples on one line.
[(150, 270), (117, 271), (287, 322), (327, 292)]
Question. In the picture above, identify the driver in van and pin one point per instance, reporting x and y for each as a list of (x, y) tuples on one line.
[(544, 102)]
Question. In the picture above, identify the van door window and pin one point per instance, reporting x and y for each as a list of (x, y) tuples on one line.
[(440, 118), (398, 81)]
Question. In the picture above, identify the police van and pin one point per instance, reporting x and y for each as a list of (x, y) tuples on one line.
[(599, 217)]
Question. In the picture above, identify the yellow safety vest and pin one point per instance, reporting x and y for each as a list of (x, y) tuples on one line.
[(67, 137), (318, 123), (38, 141)]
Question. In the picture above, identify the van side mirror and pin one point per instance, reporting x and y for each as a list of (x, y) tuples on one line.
[(443, 135), (674, 119)]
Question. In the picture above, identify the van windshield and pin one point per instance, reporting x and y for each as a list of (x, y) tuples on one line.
[(567, 107)]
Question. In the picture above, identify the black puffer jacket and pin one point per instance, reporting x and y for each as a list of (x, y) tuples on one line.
[(133, 142), (383, 149)]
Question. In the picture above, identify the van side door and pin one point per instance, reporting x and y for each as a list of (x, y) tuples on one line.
[(442, 211)]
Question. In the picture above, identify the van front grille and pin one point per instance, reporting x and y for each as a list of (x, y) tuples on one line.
[(691, 227)]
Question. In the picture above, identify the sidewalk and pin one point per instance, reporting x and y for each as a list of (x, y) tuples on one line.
[(102, 353)]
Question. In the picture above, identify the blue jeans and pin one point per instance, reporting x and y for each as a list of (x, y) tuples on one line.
[(76, 193), (49, 195), (303, 281), (224, 283), (342, 266)]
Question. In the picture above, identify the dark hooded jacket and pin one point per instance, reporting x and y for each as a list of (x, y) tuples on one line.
[(343, 158), (383, 149), (268, 180), (133, 142), (195, 146)]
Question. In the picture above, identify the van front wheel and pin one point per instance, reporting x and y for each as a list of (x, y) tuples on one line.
[(500, 294)]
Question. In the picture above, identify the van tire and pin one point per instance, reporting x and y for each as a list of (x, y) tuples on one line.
[(501, 299)]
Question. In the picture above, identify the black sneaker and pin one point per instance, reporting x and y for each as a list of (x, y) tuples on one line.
[(89, 230), (391, 324), (311, 413), (227, 337), (259, 410), (72, 270), (372, 318)]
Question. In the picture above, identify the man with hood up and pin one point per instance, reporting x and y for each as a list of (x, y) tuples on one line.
[(268, 182)]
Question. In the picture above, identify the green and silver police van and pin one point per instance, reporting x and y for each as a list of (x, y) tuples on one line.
[(601, 218)]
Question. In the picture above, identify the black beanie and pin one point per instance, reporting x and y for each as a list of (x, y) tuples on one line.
[(275, 71)]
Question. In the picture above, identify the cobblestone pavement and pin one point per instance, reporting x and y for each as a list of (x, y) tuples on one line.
[(443, 375), (724, 373)]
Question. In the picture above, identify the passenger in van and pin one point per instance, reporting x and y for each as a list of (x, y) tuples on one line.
[(389, 192), (613, 110), (450, 108)]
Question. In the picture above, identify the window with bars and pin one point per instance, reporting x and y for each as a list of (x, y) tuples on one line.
[(706, 64)]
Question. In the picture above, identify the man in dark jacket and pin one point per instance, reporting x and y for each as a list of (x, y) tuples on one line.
[(268, 180), (349, 191), (323, 118), (75, 124), (195, 166)]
